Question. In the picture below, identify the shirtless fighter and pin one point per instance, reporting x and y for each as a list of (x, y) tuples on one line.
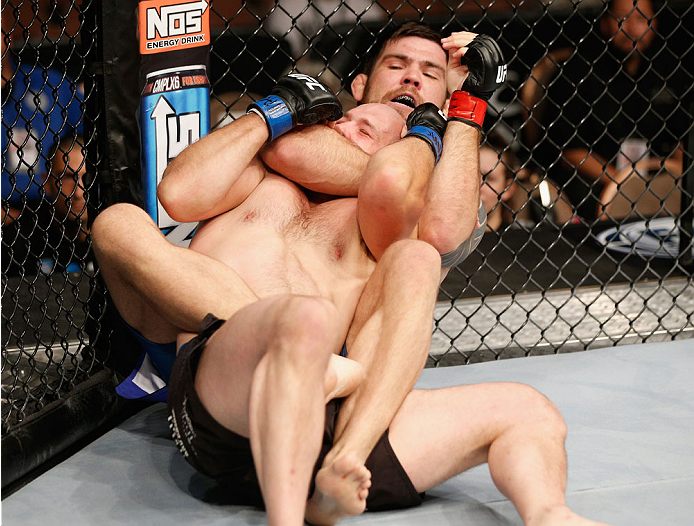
[(332, 485), (262, 373), (152, 289)]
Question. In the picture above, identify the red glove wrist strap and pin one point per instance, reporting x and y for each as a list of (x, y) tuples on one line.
[(467, 108)]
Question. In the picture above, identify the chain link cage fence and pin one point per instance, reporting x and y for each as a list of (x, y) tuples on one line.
[(574, 258)]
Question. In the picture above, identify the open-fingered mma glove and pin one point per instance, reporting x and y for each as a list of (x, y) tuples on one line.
[(428, 123), (296, 99), (487, 72)]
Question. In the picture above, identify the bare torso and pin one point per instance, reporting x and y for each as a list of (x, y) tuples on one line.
[(279, 242)]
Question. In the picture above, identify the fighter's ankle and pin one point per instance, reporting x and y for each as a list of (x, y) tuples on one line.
[(559, 514), (542, 514), (344, 454)]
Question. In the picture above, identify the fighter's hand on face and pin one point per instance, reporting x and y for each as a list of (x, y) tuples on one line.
[(296, 99), (486, 66), (475, 64), (481, 57), (457, 45)]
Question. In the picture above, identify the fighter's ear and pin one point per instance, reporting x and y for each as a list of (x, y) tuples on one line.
[(358, 86)]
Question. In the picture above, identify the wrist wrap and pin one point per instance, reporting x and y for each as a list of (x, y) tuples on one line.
[(430, 136), (276, 115), (467, 108)]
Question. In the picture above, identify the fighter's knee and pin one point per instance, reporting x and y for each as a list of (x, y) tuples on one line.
[(539, 412), (311, 312), (110, 223), (117, 212), (102, 222), (390, 180), (307, 325)]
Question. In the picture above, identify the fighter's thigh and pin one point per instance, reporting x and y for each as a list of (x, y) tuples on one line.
[(440, 433), (227, 366), (156, 284), (122, 235)]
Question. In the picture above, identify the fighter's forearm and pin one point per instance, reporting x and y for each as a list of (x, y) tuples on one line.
[(318, 158), (452, 203), (205, 180)]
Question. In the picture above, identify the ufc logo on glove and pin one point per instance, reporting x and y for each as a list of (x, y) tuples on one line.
[(310, 82), (501, 73)]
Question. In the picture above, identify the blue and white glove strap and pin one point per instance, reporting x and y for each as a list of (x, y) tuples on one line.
[(430, 136), (276, 114)]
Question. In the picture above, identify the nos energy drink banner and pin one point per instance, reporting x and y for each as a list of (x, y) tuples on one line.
[(175, 97)]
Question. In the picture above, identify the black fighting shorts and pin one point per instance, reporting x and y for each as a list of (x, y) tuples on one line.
[(226, 457)]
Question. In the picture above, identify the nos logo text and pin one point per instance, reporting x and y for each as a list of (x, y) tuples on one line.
[(175, 20)]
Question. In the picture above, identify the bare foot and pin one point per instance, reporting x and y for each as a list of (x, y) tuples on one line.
[(560, 516), (342, 377), (341, 490)]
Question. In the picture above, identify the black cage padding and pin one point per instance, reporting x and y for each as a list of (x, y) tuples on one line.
[(46, 434), (120, 175)]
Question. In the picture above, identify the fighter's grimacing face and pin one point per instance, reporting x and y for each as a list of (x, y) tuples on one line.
[(371, 126), (408, 72)]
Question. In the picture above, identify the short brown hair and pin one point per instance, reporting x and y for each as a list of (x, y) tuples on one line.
[(408, 29)]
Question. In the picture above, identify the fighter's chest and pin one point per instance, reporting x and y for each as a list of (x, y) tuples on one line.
[(282, 208)]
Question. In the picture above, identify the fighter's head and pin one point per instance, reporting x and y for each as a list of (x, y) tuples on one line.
[(405, 70), (371, 126)]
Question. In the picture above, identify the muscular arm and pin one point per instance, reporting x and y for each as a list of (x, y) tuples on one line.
[(318, 158), (216, 173), (452, 202)]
